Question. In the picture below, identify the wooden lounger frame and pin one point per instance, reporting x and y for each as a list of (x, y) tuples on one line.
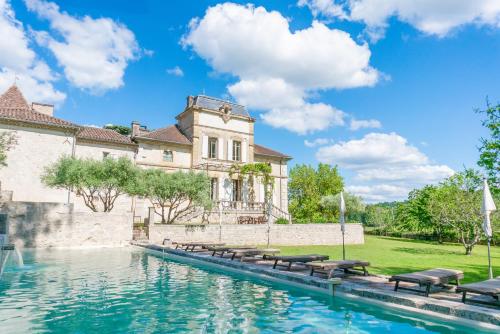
[(469, 288), (294, 259), (428, 284), (348, 267)]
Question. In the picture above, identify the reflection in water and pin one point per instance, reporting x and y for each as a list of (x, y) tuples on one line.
[(129, 291)]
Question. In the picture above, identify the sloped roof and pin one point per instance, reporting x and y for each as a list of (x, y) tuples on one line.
[(261, 150), (13, 99), (213, 103), (13, 107), (169, 134), (103, 135)]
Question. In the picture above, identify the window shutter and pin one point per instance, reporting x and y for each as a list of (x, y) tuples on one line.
[(204, 147), (229, 149), (244, 151), (221, 148)]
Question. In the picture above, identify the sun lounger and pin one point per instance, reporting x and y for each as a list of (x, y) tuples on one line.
[(427, 279), (489, 287), (190, 246), (252, 254), (287, 261), (329, 266), (222, 250)]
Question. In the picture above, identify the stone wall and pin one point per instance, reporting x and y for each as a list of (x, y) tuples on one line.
[(44, 225), (291, 234)]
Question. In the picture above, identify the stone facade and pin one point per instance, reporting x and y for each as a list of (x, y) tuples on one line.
[(296, 234), (44, 225), (210, 136)]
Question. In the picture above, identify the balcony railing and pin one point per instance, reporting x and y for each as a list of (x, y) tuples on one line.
[(240, 206)]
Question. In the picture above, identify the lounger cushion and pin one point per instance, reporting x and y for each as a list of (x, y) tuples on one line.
[(298, 258), (432, 276), (489, 287)]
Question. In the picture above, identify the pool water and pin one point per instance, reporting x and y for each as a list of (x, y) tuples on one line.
[(128, 290)]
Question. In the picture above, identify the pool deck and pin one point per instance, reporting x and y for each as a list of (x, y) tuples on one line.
[(377, 288)]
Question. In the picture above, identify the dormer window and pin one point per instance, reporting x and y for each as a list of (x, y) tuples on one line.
[(212, 148)]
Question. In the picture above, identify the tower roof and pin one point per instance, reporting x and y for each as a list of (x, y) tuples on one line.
[(13, 99)]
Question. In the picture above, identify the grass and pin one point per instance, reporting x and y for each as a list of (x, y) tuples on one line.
[(394, 255)]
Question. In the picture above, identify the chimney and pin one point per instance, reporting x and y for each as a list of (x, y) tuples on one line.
[(47, 109), (136, 126), (190, 101)]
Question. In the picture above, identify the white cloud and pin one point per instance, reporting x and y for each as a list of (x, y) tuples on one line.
[(17, 59), (326, 8), (277, 68), (365, 124), (93, 52), (316, 142), (431, 17), (176, 71), (385, 165)]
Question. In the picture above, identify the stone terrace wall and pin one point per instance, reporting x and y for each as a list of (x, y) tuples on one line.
[(292, 234), (45, 225)]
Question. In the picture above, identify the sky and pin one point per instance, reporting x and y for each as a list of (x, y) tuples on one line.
[(385, 89)]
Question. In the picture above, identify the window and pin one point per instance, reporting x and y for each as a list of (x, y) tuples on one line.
[(236, 150), (236, 190), (105, 155), (168, 156), (212, 148), (214, 186)]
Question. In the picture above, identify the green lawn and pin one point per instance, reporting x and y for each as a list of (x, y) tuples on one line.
[(393, 255)]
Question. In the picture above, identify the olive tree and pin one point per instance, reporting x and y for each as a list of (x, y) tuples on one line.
[(173, 194), (99, 182)]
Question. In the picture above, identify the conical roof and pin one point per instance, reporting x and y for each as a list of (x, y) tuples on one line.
[(13, 99)]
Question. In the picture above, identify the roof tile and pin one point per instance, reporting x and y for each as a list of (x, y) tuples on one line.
[(169, 134), (105, 135), (261, 150)]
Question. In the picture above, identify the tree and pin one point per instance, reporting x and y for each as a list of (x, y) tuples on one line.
[(355, 208), (121, 129), (99, 182), (173, 194), (306, 188), (489, 150), (380, 215), (7, 141), (456, 203)]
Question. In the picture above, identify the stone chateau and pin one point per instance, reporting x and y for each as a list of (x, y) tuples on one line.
[(210, 136)]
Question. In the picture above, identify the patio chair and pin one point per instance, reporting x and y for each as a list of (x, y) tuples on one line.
[(348, 266), (288, 260), (427, 279), (489, 287)]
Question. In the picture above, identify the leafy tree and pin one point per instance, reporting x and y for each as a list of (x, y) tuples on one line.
[(489, 150), (380, 215), (99, 182), (121, 129), (306, 188), (173, 194), (456, 203), (355, 208), (7, 141)]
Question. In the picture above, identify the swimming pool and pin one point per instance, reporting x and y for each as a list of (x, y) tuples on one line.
[(126, 290)]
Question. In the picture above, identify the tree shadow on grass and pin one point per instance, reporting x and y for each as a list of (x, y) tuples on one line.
[(418, 241), (426, 251)]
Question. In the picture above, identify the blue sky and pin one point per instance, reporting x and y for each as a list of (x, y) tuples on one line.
[(409, 76)]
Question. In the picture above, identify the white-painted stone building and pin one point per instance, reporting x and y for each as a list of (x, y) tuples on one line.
[(210, 136)]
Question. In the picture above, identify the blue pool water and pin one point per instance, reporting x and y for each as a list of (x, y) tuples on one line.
[(131, 291)]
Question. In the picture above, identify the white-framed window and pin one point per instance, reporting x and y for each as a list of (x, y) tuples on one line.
[(236, 193), (236, 150), (168, 156), (212, 148)]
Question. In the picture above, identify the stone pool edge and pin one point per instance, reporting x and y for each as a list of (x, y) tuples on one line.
[(469, 315)]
